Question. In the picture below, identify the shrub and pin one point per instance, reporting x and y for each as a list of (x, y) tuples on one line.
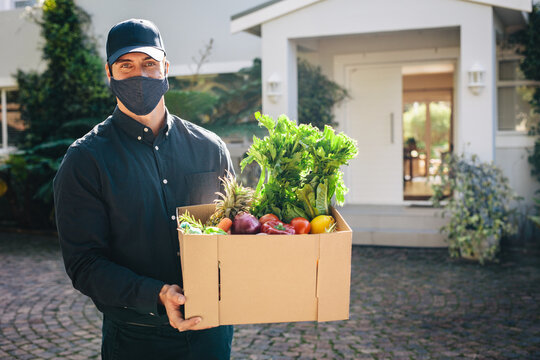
[(479, 209), (59, 105), (73, 84), (194, 106), (317, 96), (27, 177)]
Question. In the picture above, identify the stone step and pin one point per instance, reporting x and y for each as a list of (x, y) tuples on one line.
[(393, 217), (395, 225), (398, 237)]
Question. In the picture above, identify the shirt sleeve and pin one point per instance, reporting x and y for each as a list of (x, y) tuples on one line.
[(225, 160), (83, 229)]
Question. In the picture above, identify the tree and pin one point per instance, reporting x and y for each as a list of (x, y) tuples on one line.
[(529, 39), (73, 85), (59, 105)]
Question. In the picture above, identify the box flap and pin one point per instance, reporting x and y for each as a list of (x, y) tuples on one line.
[(200, 212), (341, 224)]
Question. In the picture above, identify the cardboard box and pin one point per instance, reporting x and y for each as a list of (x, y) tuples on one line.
[(247, 279)]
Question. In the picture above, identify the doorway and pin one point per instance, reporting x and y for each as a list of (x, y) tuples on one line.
[(427, 126)]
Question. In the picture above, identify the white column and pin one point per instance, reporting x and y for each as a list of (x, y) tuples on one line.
[(477, 112), (279, 61), (4, 121), (292, 81)]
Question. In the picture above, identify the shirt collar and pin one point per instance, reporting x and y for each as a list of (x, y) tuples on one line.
[(138, 131)]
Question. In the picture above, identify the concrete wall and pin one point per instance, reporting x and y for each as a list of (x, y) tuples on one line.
[(323, 50), (20, 43), (512, 157), (186, 27)]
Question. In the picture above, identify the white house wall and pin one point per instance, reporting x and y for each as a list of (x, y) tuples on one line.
[(20, 43), (365, 44), (186, 27), (512, 152), (475, 125)]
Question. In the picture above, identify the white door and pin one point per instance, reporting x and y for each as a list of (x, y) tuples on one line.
[(373, 118)]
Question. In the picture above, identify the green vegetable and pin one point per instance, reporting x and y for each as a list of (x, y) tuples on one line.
[(194, 231), (190, 219), (190, 225), (214, 230), (299, 168), (187, 228)]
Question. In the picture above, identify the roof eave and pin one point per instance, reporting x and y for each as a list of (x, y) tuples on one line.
[(251, 20), (520, 5)]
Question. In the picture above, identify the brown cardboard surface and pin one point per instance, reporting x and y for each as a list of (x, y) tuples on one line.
[(199, 260), (265, 278), (268, 279)]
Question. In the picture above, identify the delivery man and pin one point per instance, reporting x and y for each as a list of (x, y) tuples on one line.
[(115, 195)]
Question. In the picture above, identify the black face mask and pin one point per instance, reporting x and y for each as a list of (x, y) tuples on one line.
[(139, 94)]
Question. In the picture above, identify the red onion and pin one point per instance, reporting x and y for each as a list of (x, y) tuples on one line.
[(245, 223)]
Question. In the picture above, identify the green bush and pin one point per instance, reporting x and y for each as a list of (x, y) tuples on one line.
[(480, 208), (27, 176), (194, 106), (529, 39), (73, 84), (317, 96)]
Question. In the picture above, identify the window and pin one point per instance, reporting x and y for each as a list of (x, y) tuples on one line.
[(514, 94), (16, 4), (15, 125)]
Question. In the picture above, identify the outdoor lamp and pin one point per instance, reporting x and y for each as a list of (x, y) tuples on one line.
[(273, 87), (476, 79)]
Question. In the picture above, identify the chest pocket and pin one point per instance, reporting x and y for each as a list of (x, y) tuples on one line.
[(202, 187)]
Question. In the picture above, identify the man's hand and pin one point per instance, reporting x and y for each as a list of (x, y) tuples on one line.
[(171, 296)]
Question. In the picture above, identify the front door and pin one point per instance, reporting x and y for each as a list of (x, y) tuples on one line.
[(373, 118)]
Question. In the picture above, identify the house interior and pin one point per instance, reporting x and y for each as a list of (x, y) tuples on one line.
[(427, 125)]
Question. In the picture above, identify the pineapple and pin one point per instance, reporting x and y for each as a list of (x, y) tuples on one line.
[(237, 198)]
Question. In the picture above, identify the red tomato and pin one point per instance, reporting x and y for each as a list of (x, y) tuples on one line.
[(268, 217), (301, 225)]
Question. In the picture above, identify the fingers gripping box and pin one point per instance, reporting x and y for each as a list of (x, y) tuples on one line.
[(247, 279)]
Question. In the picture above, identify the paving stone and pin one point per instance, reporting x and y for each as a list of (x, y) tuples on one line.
[(405, 304)]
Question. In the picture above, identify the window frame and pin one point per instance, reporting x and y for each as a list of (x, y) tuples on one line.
[(510, 56)]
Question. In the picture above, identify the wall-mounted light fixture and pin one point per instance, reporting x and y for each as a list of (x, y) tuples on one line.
[(477, 81), (273, 87)]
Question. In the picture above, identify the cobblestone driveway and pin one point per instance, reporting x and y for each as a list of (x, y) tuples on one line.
[(405, 304)]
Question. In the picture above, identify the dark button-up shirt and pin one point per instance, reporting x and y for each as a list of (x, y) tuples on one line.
[(116, 194)]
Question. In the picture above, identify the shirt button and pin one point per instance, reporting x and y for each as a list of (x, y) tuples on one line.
[(145, 129), (173, 217), (178, 253), (157, 148), (139, 138), (165, 181), (152, 314)]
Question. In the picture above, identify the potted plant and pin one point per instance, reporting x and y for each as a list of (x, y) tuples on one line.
[(479, 208)]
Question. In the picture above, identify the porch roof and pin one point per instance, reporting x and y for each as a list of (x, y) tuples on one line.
[(251, 19)]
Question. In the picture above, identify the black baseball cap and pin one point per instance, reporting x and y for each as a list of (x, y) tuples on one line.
[(134, 35)]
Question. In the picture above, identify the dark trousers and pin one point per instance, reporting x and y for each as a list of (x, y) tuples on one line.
[(124, 341)]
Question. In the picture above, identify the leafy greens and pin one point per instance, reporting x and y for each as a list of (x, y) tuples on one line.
[(299, 168)]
